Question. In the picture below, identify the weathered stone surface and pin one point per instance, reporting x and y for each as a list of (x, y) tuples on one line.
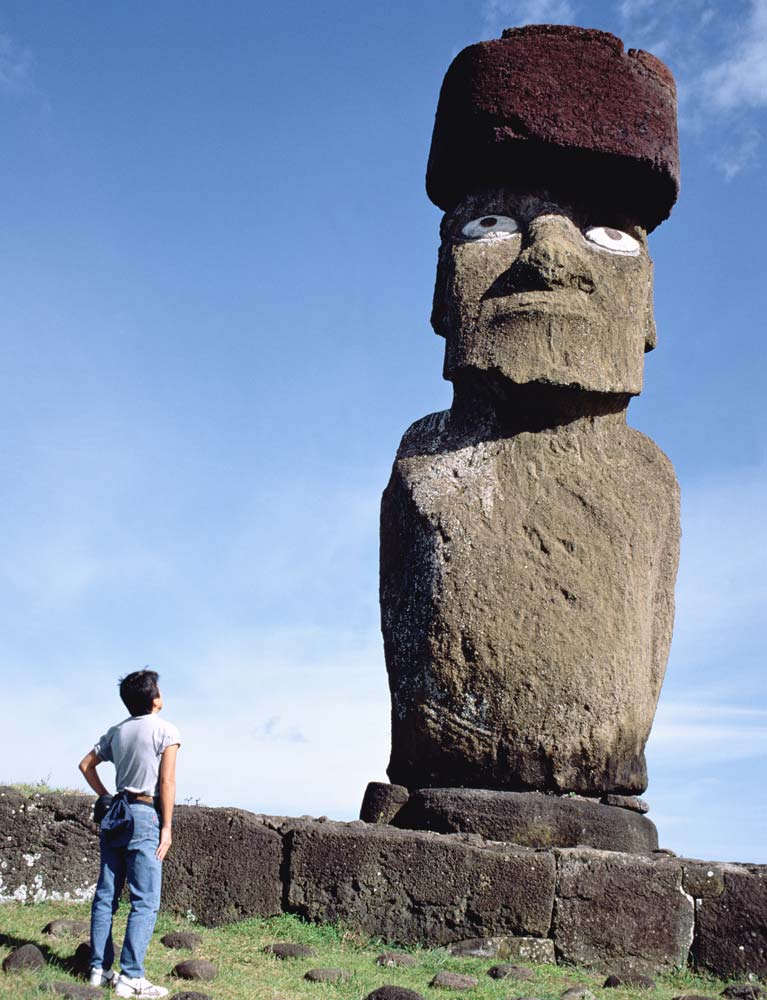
[(393, 993), (73, 991), (238, 876), (635, 980), (578, 993), (49, 847), (620, 910), (410, 887), (454, 981), (484, 947), (181, 939), (539, 951), (731, 929), (327, 975), (506, 970), (702, 880), (743, 991), (528, 818), (287, 949), (496, 298), (26, 956), (66, 928), (382, 802), (632, 802), (396, 959), (196, 968), (527, 603)]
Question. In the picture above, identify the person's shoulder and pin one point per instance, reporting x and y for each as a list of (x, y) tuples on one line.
[(165, 732), (118, 726)]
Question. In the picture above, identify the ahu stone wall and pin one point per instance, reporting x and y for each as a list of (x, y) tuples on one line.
[(599, 909)]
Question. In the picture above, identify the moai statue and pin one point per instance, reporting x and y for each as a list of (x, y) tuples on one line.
[(529, 537)]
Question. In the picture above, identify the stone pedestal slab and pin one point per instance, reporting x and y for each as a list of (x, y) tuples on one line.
[(528, 818)]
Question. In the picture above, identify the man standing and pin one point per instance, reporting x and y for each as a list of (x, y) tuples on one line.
[(136, 831)]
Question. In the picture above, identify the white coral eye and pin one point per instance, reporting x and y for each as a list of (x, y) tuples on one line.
[(490, 227), (613, 239)]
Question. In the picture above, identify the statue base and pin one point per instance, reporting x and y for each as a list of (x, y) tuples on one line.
[(531, 819)]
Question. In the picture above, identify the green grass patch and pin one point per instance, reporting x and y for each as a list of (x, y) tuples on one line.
[(246, 973), (41, 787)]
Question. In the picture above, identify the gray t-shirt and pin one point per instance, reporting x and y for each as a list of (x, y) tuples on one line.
[(135, 746)]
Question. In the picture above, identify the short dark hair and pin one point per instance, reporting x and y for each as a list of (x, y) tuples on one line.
[(138, 690)]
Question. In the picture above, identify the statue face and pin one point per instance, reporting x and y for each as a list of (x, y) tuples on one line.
[(539, 292)]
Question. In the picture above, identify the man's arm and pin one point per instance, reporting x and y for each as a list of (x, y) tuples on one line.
[(167, 797), (88, 766)]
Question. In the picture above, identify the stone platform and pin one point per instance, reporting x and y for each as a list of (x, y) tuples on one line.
[(604, 910), (530, 819)]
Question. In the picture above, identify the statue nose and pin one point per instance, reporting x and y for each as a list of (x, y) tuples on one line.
[(552, 258)]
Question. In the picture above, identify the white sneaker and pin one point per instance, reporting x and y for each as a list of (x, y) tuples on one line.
[(138, 988), (101, 977)]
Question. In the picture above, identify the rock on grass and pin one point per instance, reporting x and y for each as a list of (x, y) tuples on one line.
[(396, 959), (454, 981), (393, 993), (26, 956), (286, 949), (196, 968), (66, 928), (633, 979), (73, 991), (181, 939), (506, 970), (327, 975)]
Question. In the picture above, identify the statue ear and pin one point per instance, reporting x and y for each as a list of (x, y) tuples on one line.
[(439, 304), (650, 333)]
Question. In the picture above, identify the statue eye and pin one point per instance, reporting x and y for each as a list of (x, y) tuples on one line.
[(490, 227), (613, 239)]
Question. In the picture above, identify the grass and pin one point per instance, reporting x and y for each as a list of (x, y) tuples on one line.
[(41, 787), (246, 973)]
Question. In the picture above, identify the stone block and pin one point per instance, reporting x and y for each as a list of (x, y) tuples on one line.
[(410, 887), (224, 866), (702, 880), (382, 802), (621, 911), (731, 929), (528, 818), (49, 849)]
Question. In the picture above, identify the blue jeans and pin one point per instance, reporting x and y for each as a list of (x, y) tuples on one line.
[(137, 864)]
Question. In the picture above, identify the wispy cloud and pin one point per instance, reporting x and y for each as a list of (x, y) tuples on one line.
[(740, 79), (499, 14), (16, 67), (707, 733), (274, 729)]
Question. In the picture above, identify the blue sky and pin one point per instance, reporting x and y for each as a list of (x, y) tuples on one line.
[(216, 268)]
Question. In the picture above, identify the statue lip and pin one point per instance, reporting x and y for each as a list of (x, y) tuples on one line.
[(558, 300)]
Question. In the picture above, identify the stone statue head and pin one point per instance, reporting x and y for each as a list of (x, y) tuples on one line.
[(554, 153)]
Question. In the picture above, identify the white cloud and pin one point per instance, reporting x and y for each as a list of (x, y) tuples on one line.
[(499, 14), (740, 79), (739, 153), (16, 66), (706, 733)]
